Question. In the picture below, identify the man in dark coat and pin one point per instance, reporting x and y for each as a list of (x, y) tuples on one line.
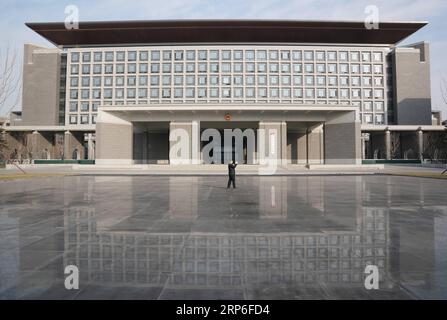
[(232, 174)]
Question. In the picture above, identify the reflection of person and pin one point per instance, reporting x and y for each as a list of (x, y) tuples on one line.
[(232, 174)]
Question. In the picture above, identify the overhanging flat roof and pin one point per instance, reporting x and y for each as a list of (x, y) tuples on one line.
[(223, 31)]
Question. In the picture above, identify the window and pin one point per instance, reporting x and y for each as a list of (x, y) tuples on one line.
[(250, 80), (131, 56), (355, 81), (84, 106), (201, 93), (120, 68), (309, 80), (214, 80), (226, 80), (226, 67), (190, 92), (332, 68), (108, 81), (366, 56), (75, 57), (143, 68), (321, 93), (190, 55), (166, 67), (75, 69), (285, 80), (97, 68), (190, 67), (85, 81), (285, 55), (214, 67), (214, 92), (178, 67), (274, 55), (226, 55), (366, 68), (85, 94), (250, 67), (155, 55), (377, 56), (355, 56), (261, 55), (131, 80), (378, 106), (119, 93), (297, 68), (273, 67), (73, 119), (344, 81), (321, 68), (262, 80), (344, 68), (154, 93), (379, 118), (378, 93), (343, 56), (378, 69), (250, 55), (84, 118), (310, 93), (178, 80), (166, 93), (108, 68), (109, 56), (238, 92), (285, 67), (74, 81), (297, 93), (367, 81), (297, 80), (274, 80), (85, 69), (96, 93), (202, 67), (144, 56), (97, 56), (355, 68), (226, 93), (73, 106), (250, 92), (167, 55), (73, 94), (178, 55), (190, 80), (321, 55), (321, 80), (119, 81), (309, 67), (94, 118), (178, 93), (238, 67), (86, 57), (120, 56), (237, 54), (166, 80), (308, 55), (202, 55), (333, 81), (296, 55), (378, 81), (332, 56)]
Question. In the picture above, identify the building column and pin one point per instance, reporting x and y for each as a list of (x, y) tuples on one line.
[(114, 140), (420, 141), (272, 142), (39, 146), (388, 144), (315, 145), (342, 139), (184, 142), (90, 146)]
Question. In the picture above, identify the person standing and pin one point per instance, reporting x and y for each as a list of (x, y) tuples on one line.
[(232, 174)]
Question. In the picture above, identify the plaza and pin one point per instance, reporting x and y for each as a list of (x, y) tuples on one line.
[(187, 237)]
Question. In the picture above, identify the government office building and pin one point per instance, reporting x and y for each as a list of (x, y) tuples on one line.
[(321, 92)]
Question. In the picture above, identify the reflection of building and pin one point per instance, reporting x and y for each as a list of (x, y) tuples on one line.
[(272, 248), (313, 86)]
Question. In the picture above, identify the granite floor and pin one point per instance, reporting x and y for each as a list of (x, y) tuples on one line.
[(146, 237)]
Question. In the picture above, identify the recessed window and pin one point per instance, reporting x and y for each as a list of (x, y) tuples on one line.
[(120, 56), (131, 56)]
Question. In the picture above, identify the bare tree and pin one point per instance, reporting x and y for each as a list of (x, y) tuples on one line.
[(10, 88)]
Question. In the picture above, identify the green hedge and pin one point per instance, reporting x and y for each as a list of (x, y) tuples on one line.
[(2, 164), (397, 161), (54, 161)]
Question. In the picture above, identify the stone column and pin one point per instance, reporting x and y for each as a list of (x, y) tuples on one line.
[(39, 146), (420, 141), (184, 142), (272, 142), (388, 144), (342, 139), (114, 140), (90, 146), (315, 145)]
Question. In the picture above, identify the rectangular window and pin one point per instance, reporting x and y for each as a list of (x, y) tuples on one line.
[(155, 55), (226, 55), (143, 68), (131, 56), (119, 81), (190, 80), (109, 56), (261, 55), (144, 56), (178, 55), (190, 55), (120, 56), (131, 80), (97, 56), (214, 55), (75, 57), (202, 55), (201, 93), (154, 93), (86, 81), (166, 67), (189, 92), (296, 55), (178, 80), (178, 93), (167, 55), (84, 118), (73, 119), (308, 55), (237, 55), (73, 106), (85, 69), (274, 55), (120, 68), (74, 81), (108, 81), (250, 55)]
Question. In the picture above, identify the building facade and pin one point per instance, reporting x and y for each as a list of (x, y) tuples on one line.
[(163, 91)]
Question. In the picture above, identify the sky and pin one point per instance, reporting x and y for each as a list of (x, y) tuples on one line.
[(14, 13)]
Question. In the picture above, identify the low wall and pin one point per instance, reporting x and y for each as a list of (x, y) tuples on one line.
[(54, 161)]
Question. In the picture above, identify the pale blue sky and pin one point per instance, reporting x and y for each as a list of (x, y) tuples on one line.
[(14, 13)]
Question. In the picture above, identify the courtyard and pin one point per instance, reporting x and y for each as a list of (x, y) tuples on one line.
[(188, 237)]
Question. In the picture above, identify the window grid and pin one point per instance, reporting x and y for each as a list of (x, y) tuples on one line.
[(277, 67)]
